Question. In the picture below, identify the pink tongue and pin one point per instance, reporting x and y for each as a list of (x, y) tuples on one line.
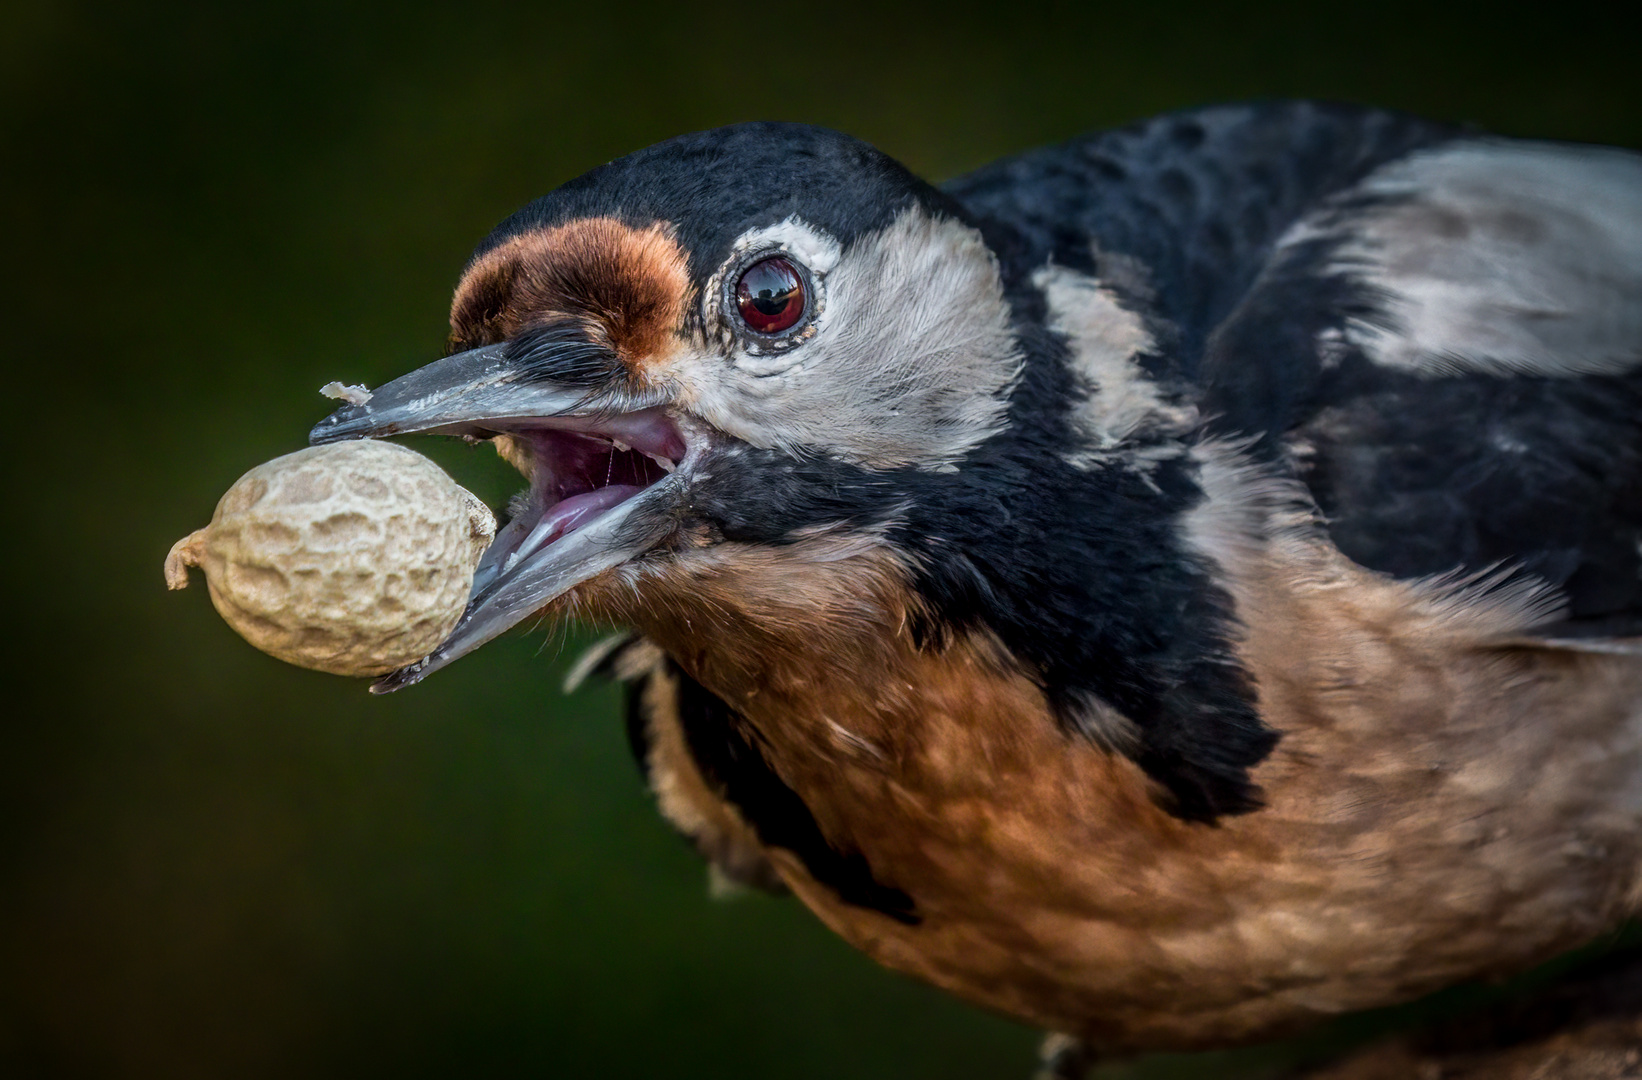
[(578, 508), (567, 515)]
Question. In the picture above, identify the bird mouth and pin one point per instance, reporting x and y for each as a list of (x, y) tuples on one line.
[(590, 480), (604, 474), (577, 476)]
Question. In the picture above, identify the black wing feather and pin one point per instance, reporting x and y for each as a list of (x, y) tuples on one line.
[(1238, 216)]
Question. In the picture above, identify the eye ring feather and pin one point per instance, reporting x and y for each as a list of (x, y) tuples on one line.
[(769, 300)]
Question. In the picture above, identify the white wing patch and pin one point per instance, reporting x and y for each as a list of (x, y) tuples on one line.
[(1261, 528), (911, 360), (1107, 340), (1499, 257)]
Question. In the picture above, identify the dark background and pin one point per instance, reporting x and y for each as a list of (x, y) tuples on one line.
[(212, 864)]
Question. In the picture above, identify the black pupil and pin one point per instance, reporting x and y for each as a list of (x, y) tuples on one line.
[(769, 303), (771, 286)]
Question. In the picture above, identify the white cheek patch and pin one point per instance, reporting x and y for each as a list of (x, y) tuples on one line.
[(1106, 341), (910, 361), (1497, 257)]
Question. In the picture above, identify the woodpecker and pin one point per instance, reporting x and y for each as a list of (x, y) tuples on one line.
[(1170, 587)]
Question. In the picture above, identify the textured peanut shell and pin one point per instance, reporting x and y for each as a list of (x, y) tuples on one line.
[(354, 558)]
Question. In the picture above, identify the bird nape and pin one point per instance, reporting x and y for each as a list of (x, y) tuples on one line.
[(1170, 587)]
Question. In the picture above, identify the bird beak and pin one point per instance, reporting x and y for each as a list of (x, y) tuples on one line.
[(483, 390), (604, 467)]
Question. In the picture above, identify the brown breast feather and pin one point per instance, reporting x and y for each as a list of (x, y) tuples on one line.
[(1440, 807)]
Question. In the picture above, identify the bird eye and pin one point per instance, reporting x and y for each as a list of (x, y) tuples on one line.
[(770, 296)]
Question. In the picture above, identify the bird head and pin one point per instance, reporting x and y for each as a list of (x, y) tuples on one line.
[(765, 381), (732, 337)]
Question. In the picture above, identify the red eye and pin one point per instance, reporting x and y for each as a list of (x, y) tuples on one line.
[(770, 295)]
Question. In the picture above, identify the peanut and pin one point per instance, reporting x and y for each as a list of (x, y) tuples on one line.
[(354, 558)]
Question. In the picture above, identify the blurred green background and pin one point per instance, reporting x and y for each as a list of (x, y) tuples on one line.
[(215, 865)]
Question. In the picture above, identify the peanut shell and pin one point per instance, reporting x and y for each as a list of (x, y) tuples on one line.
[(354, 558)]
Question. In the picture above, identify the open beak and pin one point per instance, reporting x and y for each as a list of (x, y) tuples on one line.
[(604, 469)]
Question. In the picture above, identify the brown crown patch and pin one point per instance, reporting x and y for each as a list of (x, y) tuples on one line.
[(628, 287)]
